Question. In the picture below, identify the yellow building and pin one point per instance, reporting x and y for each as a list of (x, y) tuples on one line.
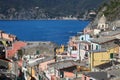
[(97, 58), (102, 56), (111, 50), (60, 50), (32, 72)]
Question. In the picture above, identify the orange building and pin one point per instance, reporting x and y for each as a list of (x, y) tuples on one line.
[(6, 36)]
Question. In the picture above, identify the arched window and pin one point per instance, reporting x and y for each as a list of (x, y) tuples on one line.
[(86, 54), (103, 26)]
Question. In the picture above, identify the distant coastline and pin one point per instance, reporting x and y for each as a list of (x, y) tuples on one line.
[(43, 19), (56, 18)]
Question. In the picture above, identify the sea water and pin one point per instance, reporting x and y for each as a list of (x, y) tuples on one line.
[(57, 31)]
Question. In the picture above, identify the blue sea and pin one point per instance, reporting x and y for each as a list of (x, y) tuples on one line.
[(58, 31)]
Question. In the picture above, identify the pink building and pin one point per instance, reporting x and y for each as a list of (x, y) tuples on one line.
[(84, 77), (6, 36), (72, 43), (69, 74), (73, 47), (63, 69), (79, 48), (43, 65), (87, 30)]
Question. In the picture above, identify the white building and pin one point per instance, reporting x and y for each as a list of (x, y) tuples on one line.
[(102, 25)]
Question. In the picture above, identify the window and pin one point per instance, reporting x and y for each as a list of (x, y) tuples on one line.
[(86, 55), (96, 47), (102, 26), (111, 55), (92, 46), (89, 47), (74, 48), (1, 43), (85, 78), (82, 38)]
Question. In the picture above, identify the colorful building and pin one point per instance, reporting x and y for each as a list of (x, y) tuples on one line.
[(79, 46), (98, 57), (60, 50), (63, 69), (109, 51), (8, 37), (84, 37), (35, 66)]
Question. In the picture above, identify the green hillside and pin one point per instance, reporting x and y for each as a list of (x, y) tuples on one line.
[(112, 11), (36, 9)]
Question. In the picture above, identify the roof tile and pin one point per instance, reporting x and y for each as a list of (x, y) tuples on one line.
[(16, 46)]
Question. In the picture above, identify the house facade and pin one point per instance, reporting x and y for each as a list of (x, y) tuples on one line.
[(109, 51), (9, 37), (98, 58), (79, 46)]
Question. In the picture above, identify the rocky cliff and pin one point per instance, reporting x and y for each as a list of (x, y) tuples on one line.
[(111, 10)]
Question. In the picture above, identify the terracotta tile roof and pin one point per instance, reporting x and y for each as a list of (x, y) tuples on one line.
[(15, 47), (69, 74)]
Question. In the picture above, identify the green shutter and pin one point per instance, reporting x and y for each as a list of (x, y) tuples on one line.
[(61, 74), (111, 55), (40, 78), (37, 52), (96, 47), (82, 38)]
